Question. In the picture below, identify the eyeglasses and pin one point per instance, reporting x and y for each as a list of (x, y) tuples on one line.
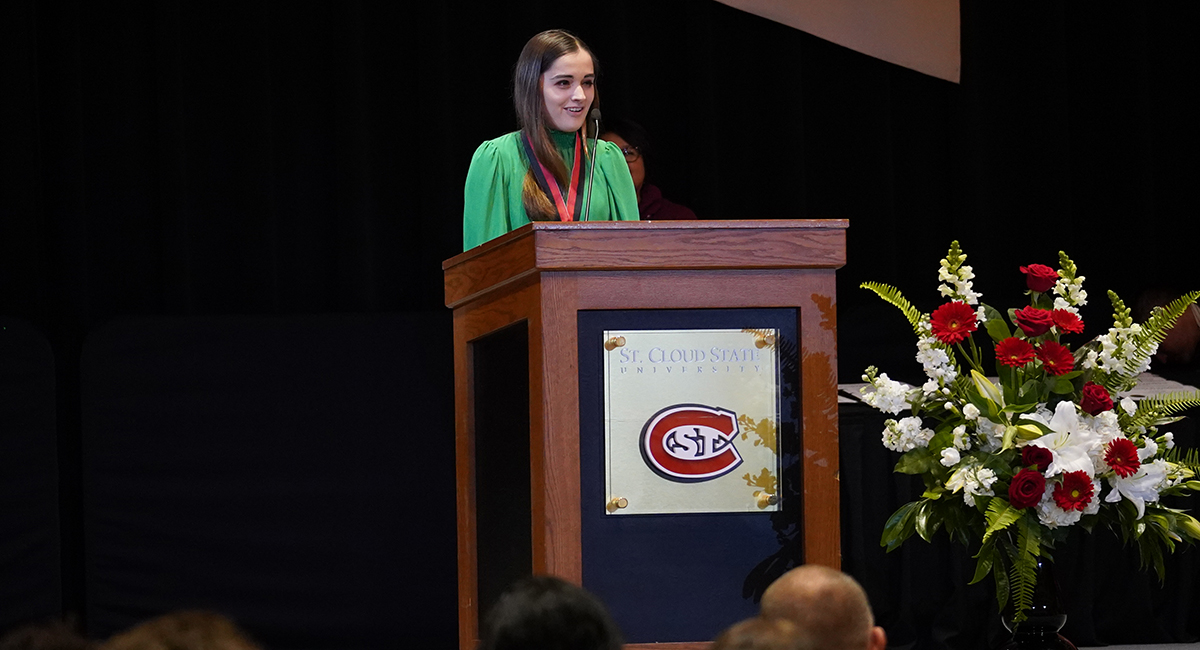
[(631, 154)]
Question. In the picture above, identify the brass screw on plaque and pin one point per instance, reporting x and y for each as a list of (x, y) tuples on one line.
[(765, 341), (614, 343), (764, 499), (616, 503)]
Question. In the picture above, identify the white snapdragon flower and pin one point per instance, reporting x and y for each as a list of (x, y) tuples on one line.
[(970, 411), (889, 396), (906, 435), (1070, 293), (957, 284), (950, 457), (973, 481), (961, 440), (1169, 440)]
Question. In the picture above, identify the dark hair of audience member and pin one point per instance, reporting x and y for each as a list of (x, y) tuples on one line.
[(183, 630), (50, 635), (630, 132), (547, 613), (763, 634)]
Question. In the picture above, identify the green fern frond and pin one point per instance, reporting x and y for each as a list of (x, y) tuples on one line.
[(1153, 409), (1189, 458), (999, 515), (1023, 573), (893, 296), (1161, 320)]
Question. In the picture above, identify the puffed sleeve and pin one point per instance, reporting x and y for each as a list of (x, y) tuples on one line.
[(621, 195), (485, 197)]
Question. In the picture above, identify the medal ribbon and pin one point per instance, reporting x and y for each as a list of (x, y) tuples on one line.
[(570, 207)]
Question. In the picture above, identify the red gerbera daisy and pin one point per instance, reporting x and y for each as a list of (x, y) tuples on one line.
[(1014, 352), (1056, 358), (953, 322), (1122, 457), (1075, 492), (1067, 321)]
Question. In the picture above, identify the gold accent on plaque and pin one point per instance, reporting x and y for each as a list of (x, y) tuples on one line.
[(616, 503), (765, 480), (614, 343), (764, 429)]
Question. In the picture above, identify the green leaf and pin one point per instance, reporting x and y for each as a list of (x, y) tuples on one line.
[(900, 526), (917, 461), (986, 557), (1001, 584), (1061, 386), (928, 520), (997, 328)]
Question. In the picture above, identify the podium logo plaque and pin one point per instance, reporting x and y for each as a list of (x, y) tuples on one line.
[(690, 421)]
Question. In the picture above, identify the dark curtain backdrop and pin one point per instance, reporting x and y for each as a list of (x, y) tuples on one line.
[(270, 158)]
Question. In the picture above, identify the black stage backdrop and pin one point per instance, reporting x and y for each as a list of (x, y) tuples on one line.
[(257, 158)]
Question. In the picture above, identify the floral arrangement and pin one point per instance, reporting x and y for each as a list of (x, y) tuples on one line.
[(1011, 466)]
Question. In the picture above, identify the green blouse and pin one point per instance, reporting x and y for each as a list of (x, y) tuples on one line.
[(492, 196)]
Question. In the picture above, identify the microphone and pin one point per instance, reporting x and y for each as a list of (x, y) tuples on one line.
[(595, 117)]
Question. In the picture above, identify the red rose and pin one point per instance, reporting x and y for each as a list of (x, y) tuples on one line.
[(953, 322), (1014, 352), (1026, 488), (1056, 358), (1075, 492), (1066, 321), (1122, 456), (1034, 321), (1035, 455), (1039, 277), (1095, 399)]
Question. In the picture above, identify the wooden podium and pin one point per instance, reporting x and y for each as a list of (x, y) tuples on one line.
[(533, 282)]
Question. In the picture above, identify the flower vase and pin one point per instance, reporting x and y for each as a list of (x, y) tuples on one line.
[(1044, 618)]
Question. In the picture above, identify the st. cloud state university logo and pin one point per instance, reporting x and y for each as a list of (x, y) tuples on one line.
[(688, 443)]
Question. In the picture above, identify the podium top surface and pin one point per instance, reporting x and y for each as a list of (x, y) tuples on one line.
[(645, 245)]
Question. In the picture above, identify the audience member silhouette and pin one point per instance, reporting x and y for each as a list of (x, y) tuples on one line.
[(547, 613), (827, 605), (184, 630), (763, 634), (635, 145)]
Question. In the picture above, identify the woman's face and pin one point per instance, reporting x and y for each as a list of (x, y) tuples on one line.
[(637, 168), (568, 87)]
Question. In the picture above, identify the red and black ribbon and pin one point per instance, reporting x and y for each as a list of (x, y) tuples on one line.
[(568, 209)]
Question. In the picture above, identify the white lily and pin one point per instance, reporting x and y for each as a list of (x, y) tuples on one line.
[(1139, 488), (1070, 443)]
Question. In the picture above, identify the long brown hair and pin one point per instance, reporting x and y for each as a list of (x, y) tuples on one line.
[(536, 57)]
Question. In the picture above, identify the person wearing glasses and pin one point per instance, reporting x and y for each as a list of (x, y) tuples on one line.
[(632, 140), (541, 173)]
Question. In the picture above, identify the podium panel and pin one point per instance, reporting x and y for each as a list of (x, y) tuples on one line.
[(685, 577), (545, 278)]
